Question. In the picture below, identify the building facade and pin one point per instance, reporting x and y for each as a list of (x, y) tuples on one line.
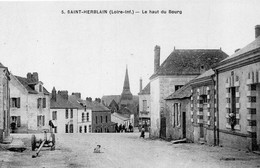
[(144, 107), (29, 104), (64, 115), (179, 68), (177, 116), (4, 104), (238, 95), (84, 113)]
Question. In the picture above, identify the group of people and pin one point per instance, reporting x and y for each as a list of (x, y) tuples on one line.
[(124, 128)]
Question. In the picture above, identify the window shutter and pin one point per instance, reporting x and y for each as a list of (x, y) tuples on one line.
[(44, 102), (43, 120), (18, 102), (38, 120), (53, 115), (38, 103), (18, 121)]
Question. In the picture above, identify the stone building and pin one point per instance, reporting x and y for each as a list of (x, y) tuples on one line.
[(178, 69), (4, 104), (144, 106), (177, 118), (101, 116), (29, 104), (64, 114), (125, 104), (238, 95), (84, 113), (203, 108)]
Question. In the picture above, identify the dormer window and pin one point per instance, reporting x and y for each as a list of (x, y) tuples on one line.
[(40, 88)]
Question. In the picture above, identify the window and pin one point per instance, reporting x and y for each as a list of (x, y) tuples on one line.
[(253, 87), (66, 128), (71, 128), (101, 119), (233, 99), (44, 102), (177, 87), (16, 120), (80, 129), (55, 129), (54, 115), (39, 102), (96, 120), (106, 119), (203, 99), (40, 120), (15, 102), (40, 88), (144, 105), (87, 116), (89, 128), (85, 129), (71, 113), (66, 113), (83, 117), (176, 115), (252, 99)]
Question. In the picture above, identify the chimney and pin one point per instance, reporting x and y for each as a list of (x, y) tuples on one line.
[(156, 58), (257, 31), (29, 77), (53, 94), (77, 94), (89, 99), (64, 94), (35, 77), (141, 84), (202, 69), (98, 100)]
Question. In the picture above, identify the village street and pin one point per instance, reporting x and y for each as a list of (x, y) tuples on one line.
[(126, 150)]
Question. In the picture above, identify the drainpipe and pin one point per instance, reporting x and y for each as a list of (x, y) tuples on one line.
[(217, 108), (214, 117)]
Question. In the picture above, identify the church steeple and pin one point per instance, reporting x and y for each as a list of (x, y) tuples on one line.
[(126, 94)]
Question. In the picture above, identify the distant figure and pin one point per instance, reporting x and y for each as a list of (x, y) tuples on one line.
[(123, 129), (97, 149), (130, 127), (116, 127), (120, 127), (142, 132)]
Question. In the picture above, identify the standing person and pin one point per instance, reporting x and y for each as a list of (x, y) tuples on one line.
[(120, 127), (123, 129), (130, 127), (116, 128), (142, 132)]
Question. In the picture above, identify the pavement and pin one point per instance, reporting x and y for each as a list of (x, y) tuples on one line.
[(126, 150)]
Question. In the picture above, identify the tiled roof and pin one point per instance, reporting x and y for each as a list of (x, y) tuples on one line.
[(189, 61), (183, 92), (251, 46), (108, 99), (26, 84), (146, 90), (120, 116), (75, 101), (94, 106), (206, 74), (61, 103)]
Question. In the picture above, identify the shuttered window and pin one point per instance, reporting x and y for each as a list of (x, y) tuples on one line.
[(18, 121), (44, 102)]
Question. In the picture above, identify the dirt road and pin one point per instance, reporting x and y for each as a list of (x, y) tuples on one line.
[(126, 150)]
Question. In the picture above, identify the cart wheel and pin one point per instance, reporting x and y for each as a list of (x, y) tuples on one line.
[(33, 142), (53, 141)]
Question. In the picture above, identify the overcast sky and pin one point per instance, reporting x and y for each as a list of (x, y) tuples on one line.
[(88, 53)]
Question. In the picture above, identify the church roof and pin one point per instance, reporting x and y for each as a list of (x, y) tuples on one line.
[(189, 61)]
